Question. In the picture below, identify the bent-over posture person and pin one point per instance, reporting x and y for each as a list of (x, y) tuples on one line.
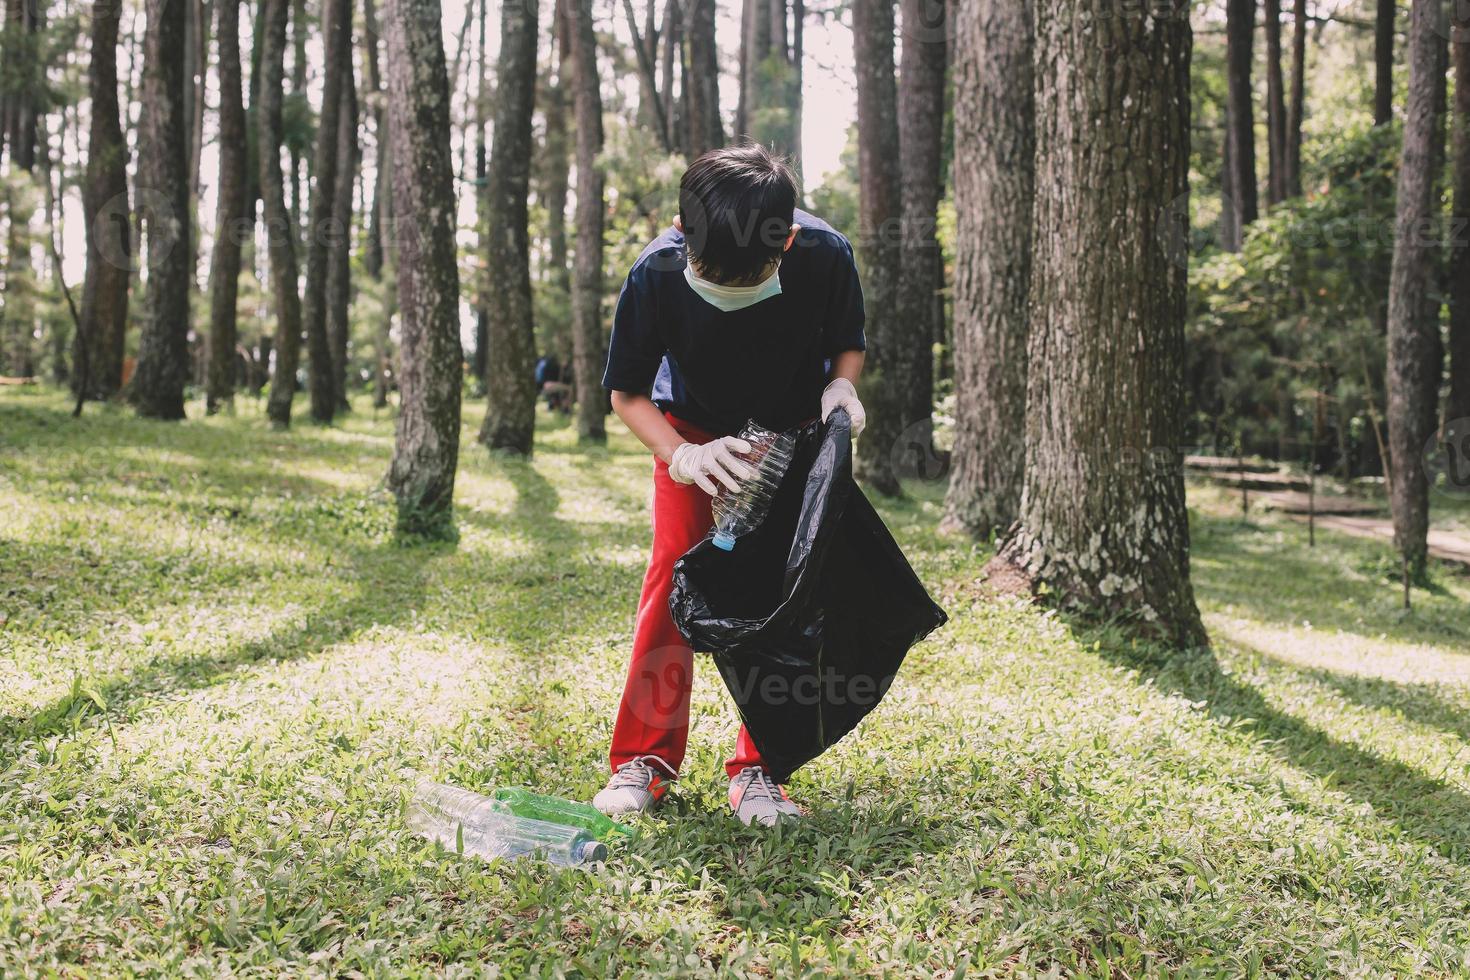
[(745, 309)]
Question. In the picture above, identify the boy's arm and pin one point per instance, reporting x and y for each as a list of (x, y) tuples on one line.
[(644, 420), (848, 365)]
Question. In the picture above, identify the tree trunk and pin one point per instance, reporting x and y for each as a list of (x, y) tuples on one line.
[(426, 445), (157, 387), (645, 50), (104, 314), (510, 384), (555, 167), (880, 214), (323, 225), (1103, 520), (372, 252), (232, 220), (921, 85), (587, 341), (673, 38), (994, 184), (481, 289), (1383, 62), (387, 373), (1239, 121), (1458, 406), (1292, 180), (300, 30), (702, 84), (1414, 355), (280, 227), (339, 258), (1275, 107)]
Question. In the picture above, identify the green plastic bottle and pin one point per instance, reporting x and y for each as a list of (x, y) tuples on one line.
[(524, 803)]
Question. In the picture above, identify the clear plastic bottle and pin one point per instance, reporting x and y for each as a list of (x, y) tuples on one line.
[(448, 814), (739, 513), (524, 803)]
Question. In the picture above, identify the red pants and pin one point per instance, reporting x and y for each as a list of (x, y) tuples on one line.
[(654, 716)]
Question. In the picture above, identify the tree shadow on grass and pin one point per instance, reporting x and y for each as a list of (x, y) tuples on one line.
[(389, 584), (1425, 704), (1287, 582), (1425, 808)]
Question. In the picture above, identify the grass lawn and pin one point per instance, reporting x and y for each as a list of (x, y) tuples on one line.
[(219, 677)]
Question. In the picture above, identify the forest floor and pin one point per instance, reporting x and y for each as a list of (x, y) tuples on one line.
[(219, 677)]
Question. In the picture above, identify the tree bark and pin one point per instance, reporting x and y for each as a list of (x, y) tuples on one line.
[(880, 215), (1383, 62), (1458, 406), (702, 84), (1239, 119), (481, 289), (232, 220), (280, 226), (426, 445), (994, 183), (372, 258), (510, 385), (921, 85), (555, 174), (1103, 520), (1275, 107), (339, 258), (104, 314), (673, 39), (323, 226), (157, 387), (1414, 355), (587, 341), (1292, 180)]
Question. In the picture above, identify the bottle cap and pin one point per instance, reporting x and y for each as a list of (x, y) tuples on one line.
[(723, 541), (592, 851)]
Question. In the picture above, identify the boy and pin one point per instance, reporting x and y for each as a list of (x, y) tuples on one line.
[(745, 309)]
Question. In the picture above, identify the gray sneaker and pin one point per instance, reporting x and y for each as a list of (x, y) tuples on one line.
[(634, 788), (755, 798)]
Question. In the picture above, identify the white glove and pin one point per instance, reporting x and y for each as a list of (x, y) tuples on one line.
[(841, 394), (696, 464)]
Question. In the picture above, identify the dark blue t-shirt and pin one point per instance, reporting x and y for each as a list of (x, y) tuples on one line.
[(767, 362)]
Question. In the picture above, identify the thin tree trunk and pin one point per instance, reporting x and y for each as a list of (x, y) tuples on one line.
[(994, 186), (481, 289), (157, 387), (702, 85), (1383, 62), (1275, 107), (323, 225), (673, 40), (1458, 406), (1103, 522), (232, 221), (510, 384), (426, 445), (300, 30), (104, 314), (372, 259), (339, 258), (280, 226), (1240, 125), (880, 214), (1414, 355), (587, 342), (1296, 105), (921, 84)]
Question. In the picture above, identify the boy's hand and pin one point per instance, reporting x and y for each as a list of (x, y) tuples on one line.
[(697, 464), (841, 394)]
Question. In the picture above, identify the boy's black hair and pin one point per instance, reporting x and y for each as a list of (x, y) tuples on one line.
[(736, 204)]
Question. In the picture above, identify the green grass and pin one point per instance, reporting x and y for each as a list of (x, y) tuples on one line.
[(219, 676)]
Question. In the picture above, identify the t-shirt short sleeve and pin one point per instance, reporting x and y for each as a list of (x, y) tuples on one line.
[(843, 329), (636, 349)]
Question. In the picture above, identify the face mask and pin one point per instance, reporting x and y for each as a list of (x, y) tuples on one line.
[(731, 298)]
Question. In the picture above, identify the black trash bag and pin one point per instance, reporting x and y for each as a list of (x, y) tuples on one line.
[(811, 615)]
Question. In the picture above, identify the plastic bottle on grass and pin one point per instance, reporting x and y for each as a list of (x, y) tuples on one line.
[(486, 828), (524, 803), (737, 514)]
